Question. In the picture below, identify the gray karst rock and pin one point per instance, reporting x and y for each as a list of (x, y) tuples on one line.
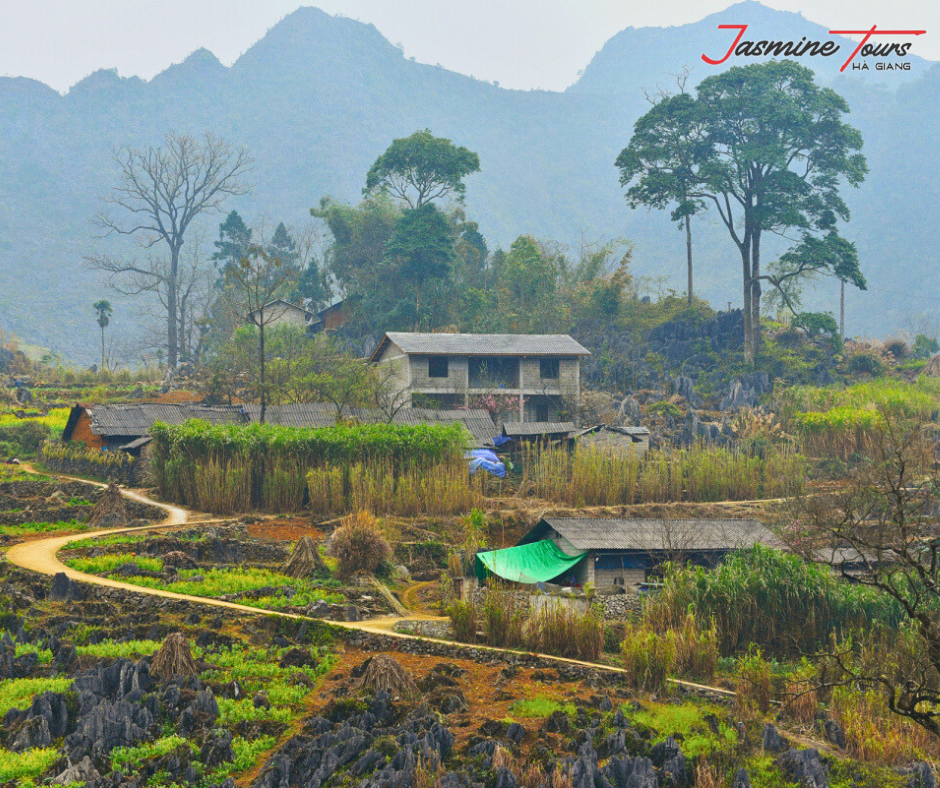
[(804, 767)]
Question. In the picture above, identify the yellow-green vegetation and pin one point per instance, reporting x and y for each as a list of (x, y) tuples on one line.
[(44, 654), (22, 529), (246, 755), (701, 473), (773, 599), (19, 693), (55, 419), (16, 473), (687, 720), (216, 582), (541, 706), (841, 420), (128, 758), (260, 670), (688, 651), (228, 468), (26, 766), (104, 564), (112, 649)]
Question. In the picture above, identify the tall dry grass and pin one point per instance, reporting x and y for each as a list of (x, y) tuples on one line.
[(594, 476)]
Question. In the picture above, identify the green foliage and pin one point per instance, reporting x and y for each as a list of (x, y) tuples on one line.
[(463, 620), (924, 346), (25, 766), (126, 649), (688, 721), (865, 363), (21, 529), (541, 707), (648, 659), (665, 408), (24, 437), (246, 755), (19, 693), (227, 468), (242, 580), (104, 564), (129, 759), (773, 599), (816, 323), (421, 168)]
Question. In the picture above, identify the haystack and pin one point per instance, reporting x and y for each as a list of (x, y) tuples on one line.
[(305, 560), (110, 511), (932, 368), (174, 658), (383, 672)]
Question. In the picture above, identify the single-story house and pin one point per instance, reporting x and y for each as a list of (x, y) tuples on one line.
[(614, 551), (518, 433), (127, 427), (613, 439)]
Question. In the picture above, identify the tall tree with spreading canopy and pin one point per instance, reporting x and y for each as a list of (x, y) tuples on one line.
[(777, 152), (422, 168), (662, 163), (161, 191)]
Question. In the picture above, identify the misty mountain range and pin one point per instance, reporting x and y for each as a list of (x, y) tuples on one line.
[(318, 98)]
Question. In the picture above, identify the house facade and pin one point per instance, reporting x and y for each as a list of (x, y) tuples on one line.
[(626, 552), (534, 377)]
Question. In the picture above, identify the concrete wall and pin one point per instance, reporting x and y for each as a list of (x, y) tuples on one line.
[(454, 383), (395, 371)]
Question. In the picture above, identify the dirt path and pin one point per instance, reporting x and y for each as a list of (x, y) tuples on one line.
[(40, 556)]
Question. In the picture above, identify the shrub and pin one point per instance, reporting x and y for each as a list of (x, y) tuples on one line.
[(753, 687), (898, 348), (773, 599), (359, 545), (463, 619), (924, 346), (555, 629), (24, 438), (502, 623), (648, 658), (865, 362)]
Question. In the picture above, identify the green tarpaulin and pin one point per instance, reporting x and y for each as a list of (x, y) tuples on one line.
[(538, 562)]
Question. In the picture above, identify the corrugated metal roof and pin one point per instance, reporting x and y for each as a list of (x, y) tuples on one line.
[(518, 429), (136, 420), (661, 535), (484, 344), (633, 432)]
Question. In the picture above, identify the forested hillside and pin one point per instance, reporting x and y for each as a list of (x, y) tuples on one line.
[(318, 98)]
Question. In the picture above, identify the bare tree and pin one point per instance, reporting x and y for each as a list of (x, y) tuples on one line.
[(160, 192), (257, 282), (881, 530)]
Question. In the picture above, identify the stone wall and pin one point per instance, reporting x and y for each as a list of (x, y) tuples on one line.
[(616, 607)]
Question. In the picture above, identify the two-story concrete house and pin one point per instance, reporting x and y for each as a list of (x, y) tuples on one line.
[(540, 371)]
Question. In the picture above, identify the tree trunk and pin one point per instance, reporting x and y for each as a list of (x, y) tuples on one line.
[(172, 340), (102, 349), (688, 253), (755, 291), (748, 315), (264, 399)]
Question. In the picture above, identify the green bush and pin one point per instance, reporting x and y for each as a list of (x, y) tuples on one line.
[(865, 363), (23, 438), (775, 600)]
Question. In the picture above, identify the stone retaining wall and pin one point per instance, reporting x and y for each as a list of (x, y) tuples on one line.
[(618, 607)]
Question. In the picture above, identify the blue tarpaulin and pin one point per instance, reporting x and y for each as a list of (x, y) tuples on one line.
[(485, 459)]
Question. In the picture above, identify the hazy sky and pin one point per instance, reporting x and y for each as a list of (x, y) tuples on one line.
[(521, 43)]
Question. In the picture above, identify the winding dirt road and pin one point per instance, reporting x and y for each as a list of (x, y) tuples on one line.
[(40, 556)]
